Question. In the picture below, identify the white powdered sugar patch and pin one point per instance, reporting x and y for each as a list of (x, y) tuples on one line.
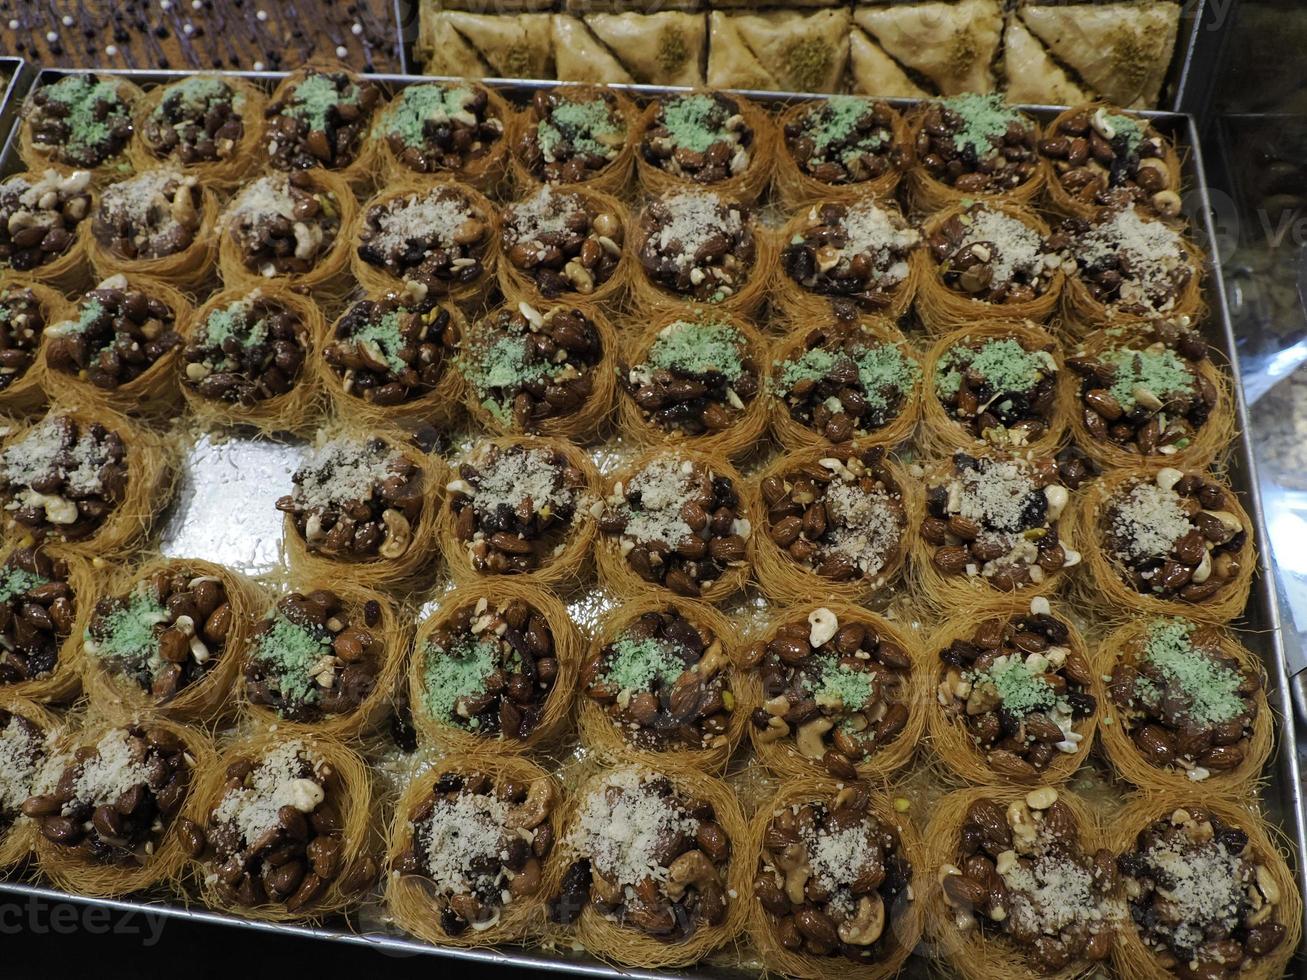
[(863, 526), (141, 199), (1150, 250), (622, 836), (21, 751), (268, 195), (663, 486), (432, 216), (117, 766), (1053, 894), (465, 831), (694, 217), (1017, 249), (1205, 886), (340, 472), (834, 856), (42, 452), (517, 475), (275, 782), (994, 498), (1150, 521), (874, 232), (543, 213)]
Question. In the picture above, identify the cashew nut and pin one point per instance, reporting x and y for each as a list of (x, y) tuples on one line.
[(796, 880), (398, 534), (809, 737), (824, 625), (691, 868), (867, 925), (1041, 798), (776, 729), (532, 811)]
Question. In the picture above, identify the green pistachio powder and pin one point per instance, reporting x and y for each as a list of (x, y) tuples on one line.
[(689, 122), (315, 97), (384, 333), (199, 93), (91, 311), (696, 348), (587, 126), (1210, 688), (1161, 372), (504, 364), (852, 688), (1019, 690), (80, 94), (17, 581), (637, 665), (288, 652), (407, 117), (834, 121), (457, 672), (1004, 363), (882, 370), (128, 638), (985, 118), (231, 321)]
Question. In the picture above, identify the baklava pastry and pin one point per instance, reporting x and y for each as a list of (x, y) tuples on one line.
[(494, 669), (247, 358), (28, 733), (322, 117), (1128, 268), (1096, 156), (27, 308), (1017, 699), (700, 248), (471, 851), (1207, 891), (45, 597), (80, 122), (1188, 704), (289, 229), (663, 47), (575, 134), (695, 379), (280, 828), (999, 384), (43, 228), (565, 243), (459, 129), (833, 893), (777, 50), (543, 368), (392, 359), (362, 509), (845, 381), (705, 139), (675, 519), (207, 125), (157, 223), (851, 259), (994, 523), (973, 146), (324, 658), (986, 260), (843, 148), (520, 506), (1021, 884), (168, 641), (836, 520), (118, 346), (656, 865), (91, 479), (1167, 542), (108, 805), (439, 236), (1148, 394), (660, 679), (834, 689)]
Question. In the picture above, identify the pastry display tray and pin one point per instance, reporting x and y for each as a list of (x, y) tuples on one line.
[(15, 77), (200, 523)]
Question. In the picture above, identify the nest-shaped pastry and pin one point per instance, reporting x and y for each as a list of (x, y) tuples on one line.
[(628, 944), (944, 307), (850, 554), (866, 364), (456, 678), (251, 400), (144, 193), (746, 184), (505, 469), (328, 195), (899, 920), (408, 518), (364, 152), (364, 343), (17, 833), (80, 874), (38, 155), (209, 693), (154, 390), (133, 503), (957, 560), (404, 120), (613, 176), (683, 690), (370, 632), (796, 183), (230, 160), (1168, 352), (861, 723), (956, 683), (27, 571), (68, 269), (351, 821), (716, 351), (479, 227), (1240, 758), (1082, 195), (981, 955), (420, 906), (610, 231), (1222, 594), (727, 548), (1029, 376), (1132, 957), (23, 391)]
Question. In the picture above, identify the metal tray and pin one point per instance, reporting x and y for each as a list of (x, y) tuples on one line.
[(16, 76), (255, 551)]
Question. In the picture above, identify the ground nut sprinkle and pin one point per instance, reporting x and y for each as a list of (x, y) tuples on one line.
[(1129, 263), (858, 251), (24, 747), (700, 137), (437, 238), (283, 224), (697, 244), (148, 216), (563, 241), (993, 256)]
